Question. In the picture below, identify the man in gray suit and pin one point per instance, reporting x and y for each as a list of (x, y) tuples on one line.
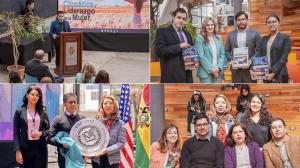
[(243, 36)]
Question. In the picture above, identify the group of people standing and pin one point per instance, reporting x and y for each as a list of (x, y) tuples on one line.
[(214, 57), (33, 131), (255, 139)]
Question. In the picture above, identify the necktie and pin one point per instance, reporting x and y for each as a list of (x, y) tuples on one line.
[(181, 37), (61, 26)]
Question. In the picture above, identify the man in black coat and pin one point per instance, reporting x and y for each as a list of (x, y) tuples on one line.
[(29, 6), (36, 68), (169, 44)]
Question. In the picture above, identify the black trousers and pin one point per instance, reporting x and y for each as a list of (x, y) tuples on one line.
[(57, 51), (36, 156), (104, 163), (61, 160)]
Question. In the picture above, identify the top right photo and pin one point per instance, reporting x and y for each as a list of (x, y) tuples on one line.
[(225, 41)]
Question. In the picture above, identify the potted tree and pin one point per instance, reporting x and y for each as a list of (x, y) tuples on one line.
[(19, 27)]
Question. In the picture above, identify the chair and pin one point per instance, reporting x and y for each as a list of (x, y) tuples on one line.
[(31, 79)]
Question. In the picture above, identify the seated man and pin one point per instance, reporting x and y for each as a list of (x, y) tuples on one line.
[(202, 150), (36, 68), (283, 150)]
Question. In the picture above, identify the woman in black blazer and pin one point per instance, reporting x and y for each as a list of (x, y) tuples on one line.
[(276, 46), (31, 126)]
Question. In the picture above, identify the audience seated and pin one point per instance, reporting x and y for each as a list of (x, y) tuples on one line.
[(36, 68), (102, 77), (87, 74), (14, 77)]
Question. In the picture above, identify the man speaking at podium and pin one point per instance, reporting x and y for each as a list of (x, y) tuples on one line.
[(57, 26)]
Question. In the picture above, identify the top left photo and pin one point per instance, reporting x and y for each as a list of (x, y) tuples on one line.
[(74, 41)]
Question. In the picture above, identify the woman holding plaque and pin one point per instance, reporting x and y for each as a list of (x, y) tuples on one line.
[(276, 46), (166, 152), (31, 126), (109, 114), (257, 119), (211, 53)]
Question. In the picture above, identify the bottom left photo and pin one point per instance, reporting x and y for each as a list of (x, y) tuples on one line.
[(74, 126)]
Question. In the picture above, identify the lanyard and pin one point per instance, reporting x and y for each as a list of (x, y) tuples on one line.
[(32, 117)]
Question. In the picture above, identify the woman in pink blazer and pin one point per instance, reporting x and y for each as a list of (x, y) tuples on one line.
[(166, 152)]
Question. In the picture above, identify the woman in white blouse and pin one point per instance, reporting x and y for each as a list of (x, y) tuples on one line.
[(211, 53)]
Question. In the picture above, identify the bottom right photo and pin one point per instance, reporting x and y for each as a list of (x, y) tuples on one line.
[(230, 125)]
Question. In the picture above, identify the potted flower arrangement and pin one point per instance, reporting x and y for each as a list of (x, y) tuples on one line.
[(19, 27)]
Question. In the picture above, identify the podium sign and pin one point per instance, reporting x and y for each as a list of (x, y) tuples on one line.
[(90, 135), (71, 46)]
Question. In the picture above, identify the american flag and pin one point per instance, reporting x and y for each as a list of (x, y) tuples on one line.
[(124, 108)]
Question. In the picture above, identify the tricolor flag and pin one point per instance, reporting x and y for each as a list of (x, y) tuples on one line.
[(143, 131), (124, 108)]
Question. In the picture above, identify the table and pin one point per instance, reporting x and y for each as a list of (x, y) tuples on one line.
[(26, 49)]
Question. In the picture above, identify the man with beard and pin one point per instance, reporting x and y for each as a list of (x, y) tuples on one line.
[(242, 37), (202, 150), (283, 150)]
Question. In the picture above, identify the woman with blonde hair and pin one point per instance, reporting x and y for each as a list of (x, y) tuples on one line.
[(109, 116), (87, 74), (211, 53), (220, 118), (166, 151)]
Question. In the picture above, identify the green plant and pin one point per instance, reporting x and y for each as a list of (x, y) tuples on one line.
[(22, 27)]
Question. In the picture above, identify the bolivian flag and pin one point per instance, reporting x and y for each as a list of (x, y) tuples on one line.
[(143, 131)]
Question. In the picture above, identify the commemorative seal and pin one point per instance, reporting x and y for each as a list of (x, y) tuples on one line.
[(90, 135)]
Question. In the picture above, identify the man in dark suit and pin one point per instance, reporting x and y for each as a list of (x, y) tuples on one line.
[(242, 36), (57, 26), (36, 68), (29, 6), (169, 44)]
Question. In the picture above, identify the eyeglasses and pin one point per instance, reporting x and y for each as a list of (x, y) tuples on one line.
[(71, 102), (202, 125), (272, 22), (242, 19)]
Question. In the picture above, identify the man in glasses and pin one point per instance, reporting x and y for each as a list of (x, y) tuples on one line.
[(246, 39), (202, 150), (64, 122)]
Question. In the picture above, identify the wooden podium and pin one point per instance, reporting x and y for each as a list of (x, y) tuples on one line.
[(71, 46)]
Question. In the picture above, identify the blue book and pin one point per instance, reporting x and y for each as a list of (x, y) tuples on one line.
[(261, 65), (190, 57)]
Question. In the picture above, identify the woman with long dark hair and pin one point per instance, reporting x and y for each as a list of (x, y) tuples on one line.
[(257, 119), (241, 151), (31, 125), (166, 151), (196, 105), (110, 157)]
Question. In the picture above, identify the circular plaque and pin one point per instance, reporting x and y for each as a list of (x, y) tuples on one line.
[(90, 135)]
